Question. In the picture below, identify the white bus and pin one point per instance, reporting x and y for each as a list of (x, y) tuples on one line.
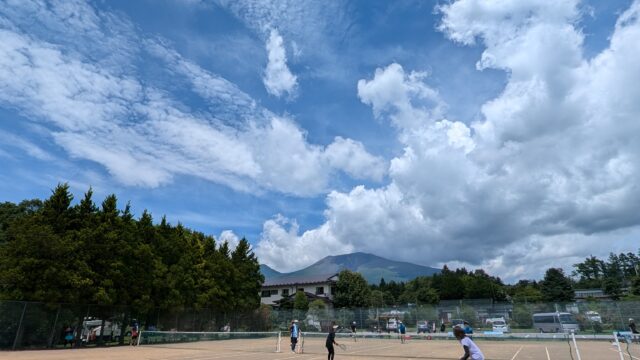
[(555, 322)]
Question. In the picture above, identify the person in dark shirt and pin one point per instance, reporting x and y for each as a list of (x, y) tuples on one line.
[(634, 330), (331, 340), (443, 327), (353, 330)]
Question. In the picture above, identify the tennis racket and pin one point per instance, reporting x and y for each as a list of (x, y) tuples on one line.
[(343, 347)]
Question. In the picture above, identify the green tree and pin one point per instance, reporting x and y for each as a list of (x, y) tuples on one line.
[(527, 293), (376, 298), (449, 284), (635, 286), (556, 286), (300, 301), (247, 277), (612, 286), (352, 290), (55, 251)]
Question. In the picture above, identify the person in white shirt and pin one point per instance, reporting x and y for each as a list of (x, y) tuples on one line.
[(471, 350)]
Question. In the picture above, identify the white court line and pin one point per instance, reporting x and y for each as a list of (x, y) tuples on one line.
[(547, 350), (626, 354), (517, 352), (347, 353)]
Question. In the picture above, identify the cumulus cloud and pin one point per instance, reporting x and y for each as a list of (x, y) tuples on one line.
[(230, 238), (285, 248), (136, 129), (278, 79), (547, 174)]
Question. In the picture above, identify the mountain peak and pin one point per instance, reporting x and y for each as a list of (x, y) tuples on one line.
[(372, 267)]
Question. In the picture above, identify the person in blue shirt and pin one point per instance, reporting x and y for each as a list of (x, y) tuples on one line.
[(403, 331), (295, 334), (468, 330)]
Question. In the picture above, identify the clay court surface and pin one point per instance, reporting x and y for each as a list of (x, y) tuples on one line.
[(251, 349)]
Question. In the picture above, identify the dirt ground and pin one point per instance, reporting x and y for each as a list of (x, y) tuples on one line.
[(265, 349)]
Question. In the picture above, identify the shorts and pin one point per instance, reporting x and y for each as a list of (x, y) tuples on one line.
[(294, 340)]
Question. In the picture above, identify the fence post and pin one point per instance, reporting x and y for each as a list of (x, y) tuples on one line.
[(53, 329), (18, 336)]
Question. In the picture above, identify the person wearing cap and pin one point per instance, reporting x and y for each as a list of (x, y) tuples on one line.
[(295, 334), (403, 331), (331, 340)]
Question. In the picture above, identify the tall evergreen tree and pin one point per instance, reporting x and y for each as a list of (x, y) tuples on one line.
[(556, 286)]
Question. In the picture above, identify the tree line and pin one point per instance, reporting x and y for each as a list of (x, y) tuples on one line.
[(618, 273), (56, 252)]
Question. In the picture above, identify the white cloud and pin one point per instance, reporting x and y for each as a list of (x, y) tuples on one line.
[(405, 96), (544, 178), (283, 247), (137, 131), (12, 140), (278, 79), (351, 156), (230, 238)]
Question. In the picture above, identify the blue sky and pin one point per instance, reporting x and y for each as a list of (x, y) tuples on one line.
[(495, 134)]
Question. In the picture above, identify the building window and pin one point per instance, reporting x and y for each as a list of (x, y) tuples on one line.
[(274, 292), (266, 293), (320, 290), (285, 292), (301, 289)]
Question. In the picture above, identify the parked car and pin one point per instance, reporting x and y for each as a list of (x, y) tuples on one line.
[(498, 325), (392, 325), (593, 316)]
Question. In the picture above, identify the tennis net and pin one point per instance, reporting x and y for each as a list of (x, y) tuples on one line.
[(241, 341)]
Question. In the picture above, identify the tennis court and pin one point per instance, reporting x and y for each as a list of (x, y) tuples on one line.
[(266, 346)]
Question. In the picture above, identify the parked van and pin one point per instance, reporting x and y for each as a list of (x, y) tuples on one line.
[(555, 322), (92, 330)]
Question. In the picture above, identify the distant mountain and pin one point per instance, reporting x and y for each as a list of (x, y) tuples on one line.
[(372, 267), (268, 272)]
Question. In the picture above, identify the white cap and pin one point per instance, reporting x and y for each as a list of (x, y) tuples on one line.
[(630, 319), (296, 320), (335, 326)]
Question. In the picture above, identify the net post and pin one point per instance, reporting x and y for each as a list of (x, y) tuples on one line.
[(615, 338), (575, 345), (139, 337), (279, 341)]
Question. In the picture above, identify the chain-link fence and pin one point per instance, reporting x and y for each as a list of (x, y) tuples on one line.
[(31, 325)]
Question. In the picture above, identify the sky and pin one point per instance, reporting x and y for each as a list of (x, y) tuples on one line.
[(496, 134)]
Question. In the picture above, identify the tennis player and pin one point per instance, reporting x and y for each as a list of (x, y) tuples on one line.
[(295, 334), (403, 332), (353, 330), (331, 340), (471, 350)]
